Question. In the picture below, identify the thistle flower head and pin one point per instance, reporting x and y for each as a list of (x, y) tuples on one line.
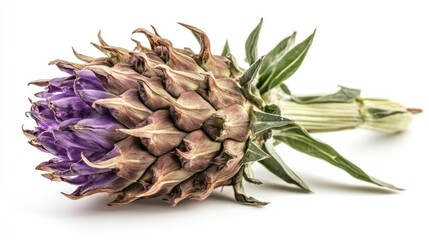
[(164, 121)]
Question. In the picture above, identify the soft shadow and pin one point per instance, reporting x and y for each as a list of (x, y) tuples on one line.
[(95, 205), (283, 188), (321, 183), (380, 138)]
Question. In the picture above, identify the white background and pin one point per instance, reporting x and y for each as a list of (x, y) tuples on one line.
[(378, 46)]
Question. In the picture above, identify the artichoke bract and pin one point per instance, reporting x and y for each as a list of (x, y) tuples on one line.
[(161, 121)]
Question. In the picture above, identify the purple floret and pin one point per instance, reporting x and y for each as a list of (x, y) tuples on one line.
[(68, 126)]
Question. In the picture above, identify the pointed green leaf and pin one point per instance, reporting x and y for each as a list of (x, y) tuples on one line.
[(273, 109), (285, 89), (251, 73), (248, 174), (378, 113), (286, 67), (252, 44), (265, 121), (277, 166), (226, 50), (239, 193), (236, 70), (344, 95), (254, 153), (298, 138), (245, 81), (278, 52)]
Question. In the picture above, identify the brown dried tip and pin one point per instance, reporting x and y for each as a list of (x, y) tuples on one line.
[(152, 38), (177, 59), (218, 65), (414, 110), (82, 57), (52, 177)]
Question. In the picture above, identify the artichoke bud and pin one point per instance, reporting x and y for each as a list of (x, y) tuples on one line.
[(89, 96), (142, 64), (190, 111), (126, 109), (202, 184), (197, 151), (123, 166), (116, 79), (65, 107), (115, 54), (157, 133), (177, 82), (153, 94), (163, 175), (131, 162), (223, 92), (160, 179), (231, 122), (231, 150), (218, 65), (178, 60), (215, 177), (182, 191), (103, 126), (162, 52), (107, 183)]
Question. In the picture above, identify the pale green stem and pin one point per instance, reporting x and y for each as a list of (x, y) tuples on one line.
[(375, 114)]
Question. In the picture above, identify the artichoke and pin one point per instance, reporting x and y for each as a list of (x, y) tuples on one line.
[(161, 121)]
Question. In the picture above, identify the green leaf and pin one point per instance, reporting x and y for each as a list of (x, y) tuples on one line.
[(273, 109), (285, 89), (378, 113), (239, 193), (344, 95), (286, 66), (252, 44), (278, 52), (236, 70), (226, 50), (254, 153), (277, 166), (266, 121), (248, 174), (250, 74), (298, 138), (246, 79)]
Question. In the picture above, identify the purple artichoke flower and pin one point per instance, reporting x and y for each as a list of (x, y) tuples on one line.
[(163, 121)]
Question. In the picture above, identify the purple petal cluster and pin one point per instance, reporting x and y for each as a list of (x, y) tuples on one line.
[(69, 127)]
